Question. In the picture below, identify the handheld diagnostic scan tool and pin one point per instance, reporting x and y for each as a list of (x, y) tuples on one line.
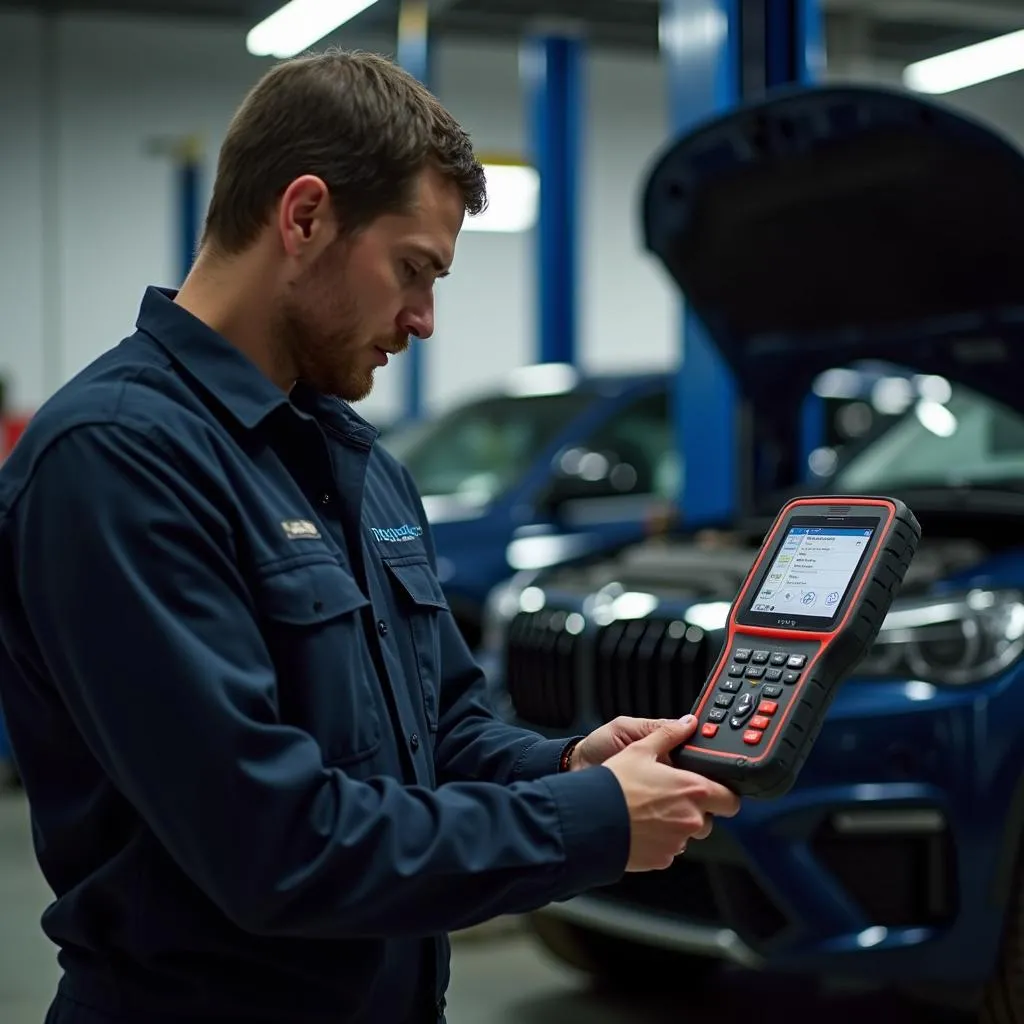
[(807, 613)]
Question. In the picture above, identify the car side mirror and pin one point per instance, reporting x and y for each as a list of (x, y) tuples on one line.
[(580, 474)]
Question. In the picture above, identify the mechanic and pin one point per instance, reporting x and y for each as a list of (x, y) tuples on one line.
[(263, 780)]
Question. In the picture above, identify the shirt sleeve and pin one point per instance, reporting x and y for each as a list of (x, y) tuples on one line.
[(131, 589)]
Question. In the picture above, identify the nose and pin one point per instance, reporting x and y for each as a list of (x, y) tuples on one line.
[(418, 320)]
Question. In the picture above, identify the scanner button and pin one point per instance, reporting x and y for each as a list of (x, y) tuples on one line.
[(752, 737), (741, 654), (771, 690), (791, 677), (736, 671), (724, 700), (760, 722), (738, 721), (767, 707), (761, 657), (797, 660), (745, 704), (731, 685), (717, 715), (779, 658), (755, 672), (708, 729), (773, 675)]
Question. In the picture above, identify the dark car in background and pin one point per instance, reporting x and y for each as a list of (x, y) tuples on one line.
[(553, 467), (559, 465), (812, 231)]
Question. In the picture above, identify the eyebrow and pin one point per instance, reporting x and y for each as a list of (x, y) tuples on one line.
[(434, 260)]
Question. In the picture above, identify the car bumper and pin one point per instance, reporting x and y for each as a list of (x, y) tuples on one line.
[(887, 862)]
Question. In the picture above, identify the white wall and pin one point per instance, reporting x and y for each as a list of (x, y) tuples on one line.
[(87, 215)]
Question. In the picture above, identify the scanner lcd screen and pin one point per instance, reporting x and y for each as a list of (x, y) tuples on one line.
[(812, 571)]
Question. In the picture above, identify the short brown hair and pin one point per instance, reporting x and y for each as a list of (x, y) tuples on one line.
[(356, 120)]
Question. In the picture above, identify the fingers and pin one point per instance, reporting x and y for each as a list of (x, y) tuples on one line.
[(711, 797), (667, 736)]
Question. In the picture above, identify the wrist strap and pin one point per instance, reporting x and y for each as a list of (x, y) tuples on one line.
[(566, 759)]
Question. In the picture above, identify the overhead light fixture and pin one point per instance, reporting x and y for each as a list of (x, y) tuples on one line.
[(299, 24), (967, 66), (513, 195)]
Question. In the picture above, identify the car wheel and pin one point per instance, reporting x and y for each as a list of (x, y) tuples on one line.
[(1002, 1001), (618, 964)]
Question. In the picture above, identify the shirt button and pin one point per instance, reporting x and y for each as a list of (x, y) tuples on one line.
[(382, 628), (414, 741), (325, 498)]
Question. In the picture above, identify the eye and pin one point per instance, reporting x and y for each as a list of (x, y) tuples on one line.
[(409, 270)]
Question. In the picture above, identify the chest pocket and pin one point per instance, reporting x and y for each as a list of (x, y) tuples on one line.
[(422, 601), (327, 682)]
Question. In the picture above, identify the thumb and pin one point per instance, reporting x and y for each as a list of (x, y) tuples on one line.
[(668, 735)]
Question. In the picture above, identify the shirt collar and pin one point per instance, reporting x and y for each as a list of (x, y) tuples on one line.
[(231, 377), (224, 371)]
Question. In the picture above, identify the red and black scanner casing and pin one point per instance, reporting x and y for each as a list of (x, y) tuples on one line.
[(764, 703)]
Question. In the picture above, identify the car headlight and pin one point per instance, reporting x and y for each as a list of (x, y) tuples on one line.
[(953, 639)]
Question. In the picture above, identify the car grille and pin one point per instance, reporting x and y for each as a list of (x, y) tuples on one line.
[(541, 668), (648, 668), (651, 668)]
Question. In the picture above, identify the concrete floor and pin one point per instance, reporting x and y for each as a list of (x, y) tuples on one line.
[(498, 976)]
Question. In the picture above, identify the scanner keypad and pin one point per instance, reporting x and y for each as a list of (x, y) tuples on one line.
[(751, 692)]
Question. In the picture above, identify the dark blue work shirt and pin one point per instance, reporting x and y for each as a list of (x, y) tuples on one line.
[(263, 780)]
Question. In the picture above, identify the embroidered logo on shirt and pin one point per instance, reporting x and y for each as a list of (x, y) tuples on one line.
[(300, 529), (397, 534)]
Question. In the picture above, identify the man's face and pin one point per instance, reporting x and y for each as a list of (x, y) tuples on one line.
[(363, 297)]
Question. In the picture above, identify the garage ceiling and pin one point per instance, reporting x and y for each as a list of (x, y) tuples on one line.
[(889, 30)]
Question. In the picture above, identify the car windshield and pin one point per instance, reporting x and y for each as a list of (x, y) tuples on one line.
[(477, 451), (970, 440)]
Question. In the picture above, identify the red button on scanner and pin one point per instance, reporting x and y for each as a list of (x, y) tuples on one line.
[(760, 722), (768, 707), (708, 729), (753, 737)]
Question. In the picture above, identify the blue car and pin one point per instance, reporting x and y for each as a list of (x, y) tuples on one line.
[(554, 467), (810, 232)]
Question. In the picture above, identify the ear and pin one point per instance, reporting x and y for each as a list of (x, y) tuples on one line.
[(305, 217)]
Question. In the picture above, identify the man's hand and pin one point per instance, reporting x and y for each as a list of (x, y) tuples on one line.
[(667, 807), (612, 738)]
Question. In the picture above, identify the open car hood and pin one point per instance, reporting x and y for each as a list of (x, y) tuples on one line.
[(837, 224)]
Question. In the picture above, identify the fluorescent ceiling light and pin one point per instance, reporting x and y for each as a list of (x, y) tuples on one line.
[(970, 65), (299, 24), (513, 193)]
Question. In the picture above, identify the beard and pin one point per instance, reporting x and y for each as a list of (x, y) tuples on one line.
[(322, 332)]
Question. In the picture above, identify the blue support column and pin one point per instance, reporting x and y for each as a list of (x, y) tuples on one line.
[(708, 72), (552, 69), (189, 183), (700, 47), (796, 55), (414, 55)]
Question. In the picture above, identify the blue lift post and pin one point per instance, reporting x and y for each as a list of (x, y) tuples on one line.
[(796, 55), (414, 55), (552, 71), (720, 53), (700, 44), (189, 184)]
